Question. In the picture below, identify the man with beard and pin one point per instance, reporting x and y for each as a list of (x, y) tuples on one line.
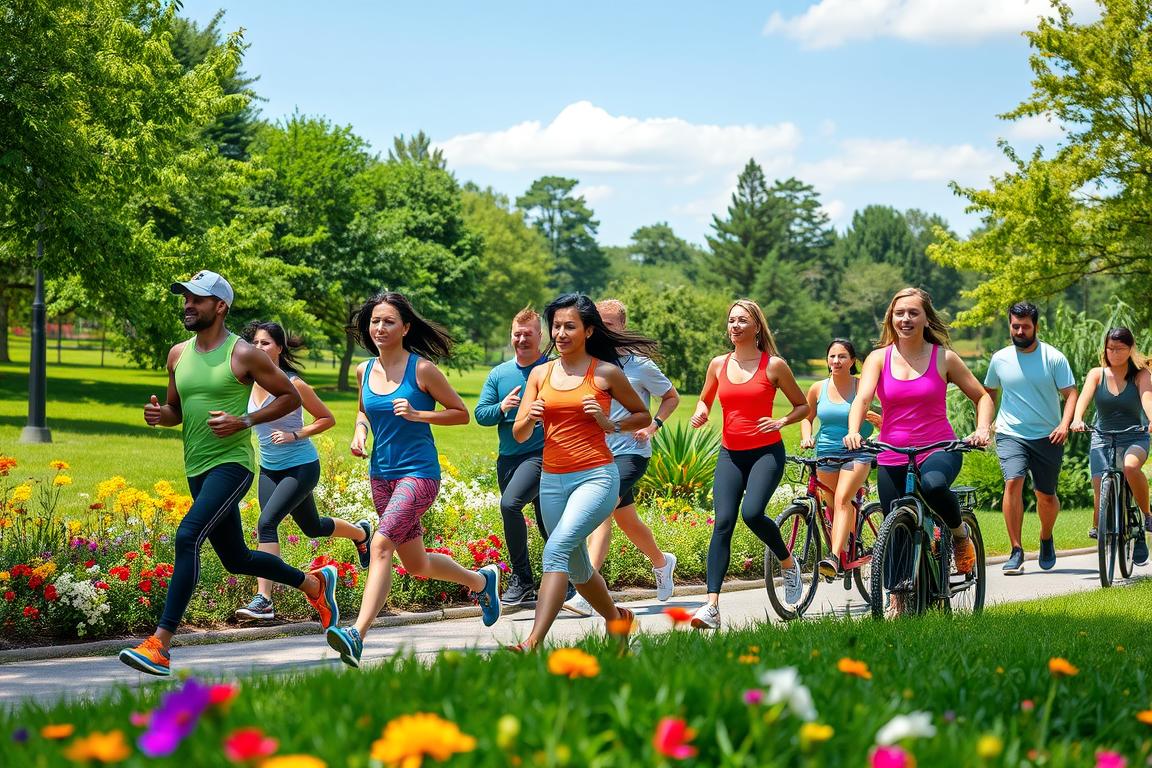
[(1030, 427), (210, 379)]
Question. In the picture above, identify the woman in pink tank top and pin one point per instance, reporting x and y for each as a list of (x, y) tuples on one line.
[(910, 372)]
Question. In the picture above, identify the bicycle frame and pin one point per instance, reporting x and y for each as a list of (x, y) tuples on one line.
[(825, 510)]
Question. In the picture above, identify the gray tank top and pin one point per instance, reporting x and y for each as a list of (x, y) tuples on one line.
[(1118, 411)]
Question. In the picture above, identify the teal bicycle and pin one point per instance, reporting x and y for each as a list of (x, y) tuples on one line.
[(1120, 522)]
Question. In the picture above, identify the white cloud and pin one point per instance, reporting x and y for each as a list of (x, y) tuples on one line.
[(901, 160), (829, 23), (585, 138), (1035, 128), (836, 209), (594, 193)]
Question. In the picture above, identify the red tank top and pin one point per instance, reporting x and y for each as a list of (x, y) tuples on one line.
[(744, 405), (573, 441)]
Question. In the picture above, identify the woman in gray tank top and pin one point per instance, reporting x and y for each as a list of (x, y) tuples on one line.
[(1121, 391)]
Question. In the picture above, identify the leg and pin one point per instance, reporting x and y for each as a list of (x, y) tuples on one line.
[(307, 516), (937, 473), (632, 467), (598, 543), (727, 491), (851, 479), (519, 479), (1047, 508), (1045, 461), (1134, 459), (1014, 456), (279, 492), (763, 479), (378, 585), (890, 485), (1096, 501)]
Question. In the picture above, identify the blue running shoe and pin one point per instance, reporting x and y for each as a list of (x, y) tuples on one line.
[(489, 597), (1015, 562), (1047, 557), (347, 642), (1140, 551), (364, 548)]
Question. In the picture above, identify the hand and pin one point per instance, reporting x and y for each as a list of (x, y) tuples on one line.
[(767, 425), (357, 445), (645, 434), (152, 412), (279, 437), (873, 418), (1079, 426), (808, 442), (402, 408), (536, 410), (700, 418), (224, 424), (853, 440), (511, 401), (979, 438), (593, 408), (1059, 435)]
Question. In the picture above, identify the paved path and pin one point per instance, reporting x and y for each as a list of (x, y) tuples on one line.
[(83, 677)]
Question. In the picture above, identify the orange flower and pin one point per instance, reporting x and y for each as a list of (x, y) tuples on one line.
[(7, 464), (294, 761), (573, 663), (1145, 716), (408, 739), (1060, 667), (61, 731), (854, 668), (678, 615), (99, 747), (672, 739)]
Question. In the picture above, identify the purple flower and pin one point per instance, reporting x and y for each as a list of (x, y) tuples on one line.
[(20, 735), (293, 538), (232, 581), (753, 697), (174, 719), (75, 543), (92, 546), (314, 543), (164, 538), (46, 556)]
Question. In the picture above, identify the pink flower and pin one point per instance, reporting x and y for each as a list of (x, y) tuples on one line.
[(1027, 705), (672, 737), (1110, 760), (753, 697), (891, 757)]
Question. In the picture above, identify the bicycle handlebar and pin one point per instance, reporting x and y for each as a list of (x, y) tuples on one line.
[(1115, 432), (959, 446)]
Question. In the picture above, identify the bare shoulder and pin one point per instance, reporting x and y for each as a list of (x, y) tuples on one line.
[(778, 365), (175, 352)]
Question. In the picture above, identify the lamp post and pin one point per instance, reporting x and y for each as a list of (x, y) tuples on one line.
[(36, 430)]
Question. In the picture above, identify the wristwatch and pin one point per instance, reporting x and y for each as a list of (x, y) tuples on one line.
[(658, 421), (615, 427)]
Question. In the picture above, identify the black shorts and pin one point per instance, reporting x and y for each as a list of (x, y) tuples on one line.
[(632, 467), (1018, 457)]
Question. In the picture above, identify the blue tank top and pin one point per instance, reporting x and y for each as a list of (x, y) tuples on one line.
[(834, 424), (400, 448), (285, 455)]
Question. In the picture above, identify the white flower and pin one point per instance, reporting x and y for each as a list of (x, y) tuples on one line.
[(917, 725), (784, 686)]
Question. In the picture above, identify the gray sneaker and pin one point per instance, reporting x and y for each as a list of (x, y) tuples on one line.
[(259, 608), (707, 616), (664, 584), (1047, 557), (1015, 563), (1140, 551), (578, 605), (793, 584)]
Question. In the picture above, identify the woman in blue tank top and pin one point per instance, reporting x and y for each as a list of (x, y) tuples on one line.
[(399, 390), (830, 400), (290, 466)]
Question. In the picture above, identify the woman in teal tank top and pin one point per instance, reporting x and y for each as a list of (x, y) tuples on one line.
[(830, 400)]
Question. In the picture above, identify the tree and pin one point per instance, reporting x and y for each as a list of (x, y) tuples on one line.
[(743, 242), (567, 224), (1084, 210), (416, 149), (865, 290), (657, 245)]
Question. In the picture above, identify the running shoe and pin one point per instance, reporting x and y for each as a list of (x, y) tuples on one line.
[(364, 548), (519, 591), (830, 568), (965, 552), (1148, 524), (325, 600), (1140, 551), (793, 584), (578, 605), (347, 642), (664, 584), (148, 657), (489, 597), (707, 616), (1047, 557), (259, 608), (623, 626), (1015, 562), (1092, 533)]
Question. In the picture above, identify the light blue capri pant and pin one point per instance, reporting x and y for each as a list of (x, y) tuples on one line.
[(572, 505)]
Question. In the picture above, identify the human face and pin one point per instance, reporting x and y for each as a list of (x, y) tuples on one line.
[(839, 361), (1118, 353), (568, 331), (741, 326), (526, 338), (612, 321), (386, 327), (909, 318), (200, 312), (263, 340), (1023, 331)]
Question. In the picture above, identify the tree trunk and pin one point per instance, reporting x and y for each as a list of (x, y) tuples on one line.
[(5, 357), (345, 365)]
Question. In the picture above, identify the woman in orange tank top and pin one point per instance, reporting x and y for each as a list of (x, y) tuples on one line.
[(751, 460), (579, 485)]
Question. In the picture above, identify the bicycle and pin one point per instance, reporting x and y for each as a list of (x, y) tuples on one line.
[(1120, 522), (804, 539), (913, 556)]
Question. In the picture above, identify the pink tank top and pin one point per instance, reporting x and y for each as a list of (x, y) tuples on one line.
[(915, 411)]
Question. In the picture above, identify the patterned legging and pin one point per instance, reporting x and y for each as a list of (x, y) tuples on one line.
[(401, 503)]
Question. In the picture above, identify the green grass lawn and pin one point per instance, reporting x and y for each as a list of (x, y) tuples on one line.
[(982, 681)]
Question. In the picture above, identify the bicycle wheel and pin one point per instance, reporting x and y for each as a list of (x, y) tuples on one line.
[(897, 578), (803, 541), (1105, 535), (1126, 533), (868, 524), (966, 592)]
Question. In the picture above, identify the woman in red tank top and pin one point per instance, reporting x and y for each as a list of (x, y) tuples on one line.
[(579, 484), (751, 460)]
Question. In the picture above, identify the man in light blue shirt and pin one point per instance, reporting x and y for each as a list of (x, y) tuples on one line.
[(1031, 427)]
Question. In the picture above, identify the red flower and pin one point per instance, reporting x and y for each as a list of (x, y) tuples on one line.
[(143, 601), (147, 547), (222, 694), (89, 563), (35, 581), (101, 585), (50, 593), (248, 744), (494, 539), (20, 570), (145, 586), (678, 615), (147, 573), (130, 555), (672, 737), (96, 505), (31, 613), (9, 595), (121, 572)]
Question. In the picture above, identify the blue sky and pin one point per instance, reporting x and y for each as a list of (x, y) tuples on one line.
[(656, 106)]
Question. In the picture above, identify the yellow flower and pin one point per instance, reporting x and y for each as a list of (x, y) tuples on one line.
[(814, 733), (408, 739), (20, 493), (60, 731), (1060, 667), (989, 746), (293, 761), (45, 570), (59, 466), (5, 522), (507, 731), (111, 486), (61, 480), (749, 658), (99, 747), (854, 668), (75, 526), (164, 488), (1145, 716), (573, 663), (5, 575)]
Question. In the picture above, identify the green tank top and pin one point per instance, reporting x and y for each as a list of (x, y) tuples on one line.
[(205, 382)]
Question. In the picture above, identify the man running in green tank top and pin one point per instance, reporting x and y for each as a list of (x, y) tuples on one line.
[(210, 378)]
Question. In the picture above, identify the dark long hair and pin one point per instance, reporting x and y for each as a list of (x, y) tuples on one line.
[(425, 338), (1124, 336), (287, 361), (850, 348), (603, 344)]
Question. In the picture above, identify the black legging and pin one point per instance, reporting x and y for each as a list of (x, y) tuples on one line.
[(286, 492), (937, 473), (215, 515), (519, 480), (752, 475)]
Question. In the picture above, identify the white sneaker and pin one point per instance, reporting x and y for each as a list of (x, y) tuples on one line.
[(793, 584), (664, 584), (707, 617), (578, 605)]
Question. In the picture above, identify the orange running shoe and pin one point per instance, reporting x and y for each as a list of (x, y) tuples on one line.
[(965, 553), (622, 627), (149, 657), (325, 600)]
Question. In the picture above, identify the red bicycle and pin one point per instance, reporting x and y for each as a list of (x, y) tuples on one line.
[(806, 525)]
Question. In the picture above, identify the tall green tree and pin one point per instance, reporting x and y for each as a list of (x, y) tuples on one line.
[(1083, 209), (417, 148), (658, 245), (743, 243), (578, 263)]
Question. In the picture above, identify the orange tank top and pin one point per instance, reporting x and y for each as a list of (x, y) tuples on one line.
[(573, 441)]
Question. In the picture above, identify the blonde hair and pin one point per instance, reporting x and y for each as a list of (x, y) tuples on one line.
[(615, 307), (936, 332), (765, 341), (526, 316)]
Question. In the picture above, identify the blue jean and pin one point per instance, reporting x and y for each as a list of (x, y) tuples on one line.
[(573, 504)]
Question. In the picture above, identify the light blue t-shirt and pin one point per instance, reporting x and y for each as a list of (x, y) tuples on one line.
[(648, 381), (1029, 384)]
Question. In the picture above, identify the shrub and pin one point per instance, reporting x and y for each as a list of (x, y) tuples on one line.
[(683, 462)]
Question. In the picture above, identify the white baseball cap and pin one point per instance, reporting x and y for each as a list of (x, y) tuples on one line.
[(206, 283)]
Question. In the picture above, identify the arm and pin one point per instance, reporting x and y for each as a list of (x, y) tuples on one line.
[(961, 376), (1144, 383), (865, 393), (1091, 381), (275, 382), (433, 381), (361, 427), (488, 411), (708, 393), (618, 386), (322, 418), (669, 402), (1060, 434), (806, 438), (531, 410), (169, 414), (781, 377)]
